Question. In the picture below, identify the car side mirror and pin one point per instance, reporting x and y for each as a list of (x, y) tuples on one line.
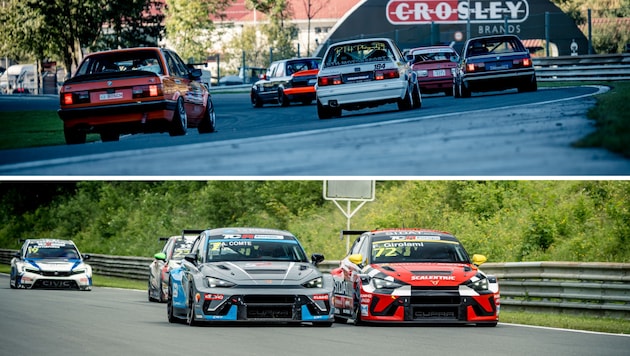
[(160, 256), (478, 260), (86, 257), (191, 257), (357, 259), (317, 258)]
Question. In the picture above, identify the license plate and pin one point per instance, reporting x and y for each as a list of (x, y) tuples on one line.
[(498, 66), (312, 81), (439, 73), (111, 96)]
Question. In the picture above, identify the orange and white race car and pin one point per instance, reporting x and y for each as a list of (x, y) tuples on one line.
[(131, 91)]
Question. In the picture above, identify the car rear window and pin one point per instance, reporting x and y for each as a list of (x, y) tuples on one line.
[(360, 52), (428, 55), (112, 62), (494, 46)]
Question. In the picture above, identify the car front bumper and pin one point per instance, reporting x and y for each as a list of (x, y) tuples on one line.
[(29, 280)]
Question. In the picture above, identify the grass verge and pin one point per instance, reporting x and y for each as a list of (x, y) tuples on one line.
[(608, 325)]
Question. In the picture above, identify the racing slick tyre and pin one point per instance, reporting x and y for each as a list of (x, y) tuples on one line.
[(110, 136), (323, 112), (283, 100), (417, 97), (190, 311), (455, 91), (529, 86), (180, 120), (356, 309), (406, 103), (151, 299), (14, 285), (464, 92), (208, 123), (74, 136), (256, 100), (169, 308)]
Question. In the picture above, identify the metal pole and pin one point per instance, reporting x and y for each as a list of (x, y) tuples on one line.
[(348, 227), (547, 33), (468, 22), (590, 34)]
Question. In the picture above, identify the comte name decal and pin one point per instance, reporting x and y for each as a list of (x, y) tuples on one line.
[(409, 12)]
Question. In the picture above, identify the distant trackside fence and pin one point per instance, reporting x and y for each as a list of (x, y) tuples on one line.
[(588, 288)]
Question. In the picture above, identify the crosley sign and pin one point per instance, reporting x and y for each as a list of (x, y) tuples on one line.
[(407, 12)]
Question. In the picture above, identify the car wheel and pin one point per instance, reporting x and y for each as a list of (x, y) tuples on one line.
[(169, 307), (323, 112), (307, 102), (448, 92), (455, 91), (406, 102), (341, 320), (180, 120), (151, 299), (464, 92), (529, 86), (13, 282), (256, 100), (417, 97), (323, 324), (356, 309), (74, 136), (283, 100), (208, 122), (487, 325), (190, 311), (110, 136)]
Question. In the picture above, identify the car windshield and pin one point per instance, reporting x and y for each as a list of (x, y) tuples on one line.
[(433, 55), (494, 46), (392, 251), (362, 52), (254, 250), (108, 62), (181, 248), (300, 65), (51, 250)]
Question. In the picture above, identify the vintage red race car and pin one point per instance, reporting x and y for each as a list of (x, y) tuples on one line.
[(413, 276), (434, 66), (131, 91)]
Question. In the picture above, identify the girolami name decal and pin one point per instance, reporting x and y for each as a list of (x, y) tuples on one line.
[(408, 12)]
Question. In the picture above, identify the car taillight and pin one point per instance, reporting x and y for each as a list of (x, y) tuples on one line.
[(527, 62), (145, 91), (473, 67), (329, 80), (79, 97), (386, 74)]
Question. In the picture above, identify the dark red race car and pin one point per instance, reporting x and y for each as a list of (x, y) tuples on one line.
[(434, 66), (413, 276)]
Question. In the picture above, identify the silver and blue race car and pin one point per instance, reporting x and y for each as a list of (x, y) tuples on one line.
[(50, 264), (249, 274)]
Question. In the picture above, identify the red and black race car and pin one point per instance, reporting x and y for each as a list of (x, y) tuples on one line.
[(413, 276)]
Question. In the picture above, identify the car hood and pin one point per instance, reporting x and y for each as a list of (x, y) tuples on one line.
[(425, 274), (256, 273), (54, 265)]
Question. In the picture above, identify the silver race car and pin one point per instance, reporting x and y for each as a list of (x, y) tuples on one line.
[(249, 274), (50, 264), (174, 250)]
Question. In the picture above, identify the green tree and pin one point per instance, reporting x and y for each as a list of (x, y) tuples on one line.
[(189, 26)]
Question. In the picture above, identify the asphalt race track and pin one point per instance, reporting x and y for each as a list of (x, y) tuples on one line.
[(491, 134), (122, 322)]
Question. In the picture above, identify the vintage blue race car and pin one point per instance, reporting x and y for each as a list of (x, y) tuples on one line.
[(249, 274)]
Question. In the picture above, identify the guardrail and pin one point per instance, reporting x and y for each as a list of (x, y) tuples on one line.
[(600, 67), (601, 289)]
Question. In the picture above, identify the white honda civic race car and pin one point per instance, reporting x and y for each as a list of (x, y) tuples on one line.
[(50, 264)]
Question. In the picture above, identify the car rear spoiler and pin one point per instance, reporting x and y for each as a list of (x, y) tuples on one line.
[(351, 232), (192, 231)]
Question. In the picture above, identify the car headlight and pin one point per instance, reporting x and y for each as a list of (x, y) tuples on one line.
[(380, 283), (78, 270), (30, 269), (422, 73), (479, 285), (314, 283), (216, 282)]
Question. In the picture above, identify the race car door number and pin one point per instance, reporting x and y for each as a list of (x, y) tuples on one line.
[(439, 73), (110, 96)]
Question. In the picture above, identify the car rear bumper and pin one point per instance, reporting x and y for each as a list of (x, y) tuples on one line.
[(366, 92), (140, 112), (487, 81)]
